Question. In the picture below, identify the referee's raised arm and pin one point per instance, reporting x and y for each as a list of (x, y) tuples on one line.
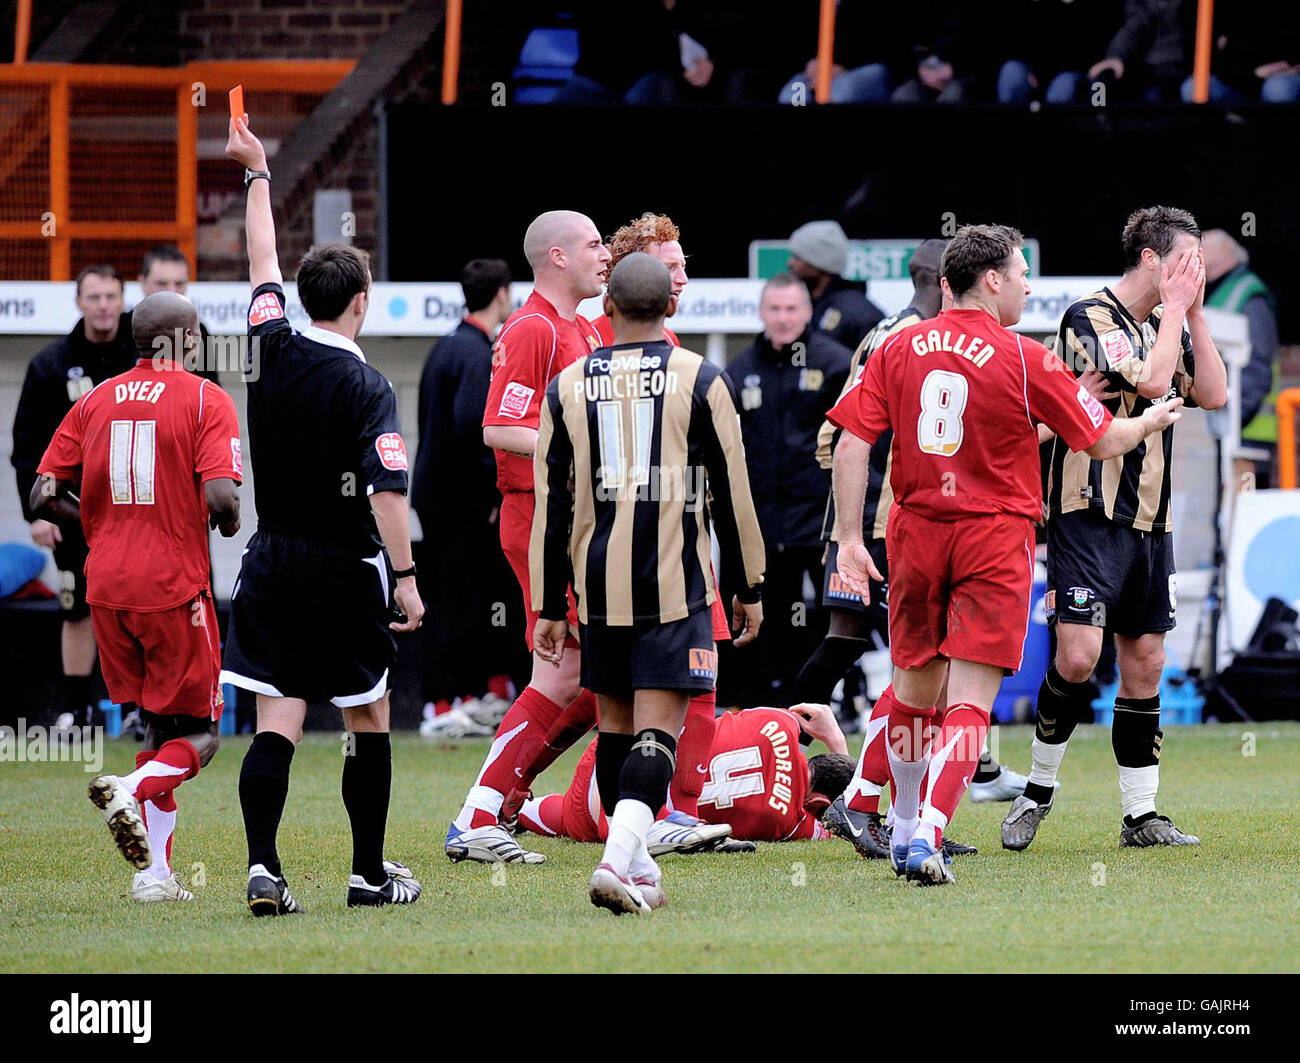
[(243, 147)]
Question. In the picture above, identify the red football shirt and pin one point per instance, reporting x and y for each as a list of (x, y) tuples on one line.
[(143, 444), (758, 777), (964, 396), (533, 346), (605, 330)]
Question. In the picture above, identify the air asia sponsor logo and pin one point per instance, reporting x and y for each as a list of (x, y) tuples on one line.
[(703, 664), (266, 307), (392, 451), (515, 400), (1096, 413), (77, 1016)]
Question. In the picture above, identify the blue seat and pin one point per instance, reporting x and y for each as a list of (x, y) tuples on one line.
[(546, 63)]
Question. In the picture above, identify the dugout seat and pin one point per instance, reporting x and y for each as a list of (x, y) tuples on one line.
[(546, 63)]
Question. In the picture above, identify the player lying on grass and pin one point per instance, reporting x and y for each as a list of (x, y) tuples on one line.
[(759, 781), (964, 395), (155, 456), (631, 442)]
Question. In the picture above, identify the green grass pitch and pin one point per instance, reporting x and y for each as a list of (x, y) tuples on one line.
[(1072, 902)]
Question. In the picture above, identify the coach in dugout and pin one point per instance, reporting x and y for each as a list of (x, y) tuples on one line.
[(785, 383), (98, 347)]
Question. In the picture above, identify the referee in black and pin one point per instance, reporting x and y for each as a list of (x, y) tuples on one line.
[(638, 426), (312, 609)]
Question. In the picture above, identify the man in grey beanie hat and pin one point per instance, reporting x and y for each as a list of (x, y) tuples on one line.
[(819, 251)]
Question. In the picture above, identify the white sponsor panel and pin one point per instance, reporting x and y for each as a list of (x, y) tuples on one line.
[(434, 309)]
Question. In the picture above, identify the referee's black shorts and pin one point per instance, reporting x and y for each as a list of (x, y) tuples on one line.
[(1108, 575), (310, 620), (679, 655)]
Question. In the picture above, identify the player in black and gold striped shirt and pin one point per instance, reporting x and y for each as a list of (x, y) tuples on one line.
[(633, 440), (1110, 551)]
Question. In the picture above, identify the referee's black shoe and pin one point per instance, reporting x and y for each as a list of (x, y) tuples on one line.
[(269, 894), (394, 891)]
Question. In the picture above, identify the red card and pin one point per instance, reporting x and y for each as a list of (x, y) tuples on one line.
[(237, 102)]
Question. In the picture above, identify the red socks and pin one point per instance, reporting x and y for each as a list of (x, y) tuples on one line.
[(521, 734), (954, 757), (571, 725), (873, 765), (693, 750), (162, 772)]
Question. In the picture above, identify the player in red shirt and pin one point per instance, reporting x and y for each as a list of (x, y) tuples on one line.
[(569, 261), (964, 395), (655, 234), (157, 454), (759, 781)]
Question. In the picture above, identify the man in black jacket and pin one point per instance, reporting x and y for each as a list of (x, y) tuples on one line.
[(455, 495), (819, 253), (98, 347), (785, 383)]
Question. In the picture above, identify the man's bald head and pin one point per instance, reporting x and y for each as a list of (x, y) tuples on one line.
[(555, 228), (165, 314), (640, 287)]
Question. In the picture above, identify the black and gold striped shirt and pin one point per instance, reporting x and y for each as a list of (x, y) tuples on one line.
[(634, 440), (880, 496), (1132, 489)]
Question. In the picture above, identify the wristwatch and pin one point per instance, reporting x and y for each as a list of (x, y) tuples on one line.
[(404, 573), (252, 175)]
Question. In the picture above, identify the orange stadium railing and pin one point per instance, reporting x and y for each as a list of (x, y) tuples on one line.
[(97, 163), (1288, 403)]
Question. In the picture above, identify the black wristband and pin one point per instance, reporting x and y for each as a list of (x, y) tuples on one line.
[(404, 573)]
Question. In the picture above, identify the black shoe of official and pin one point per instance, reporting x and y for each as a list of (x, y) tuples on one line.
[(269, 894), (865, 831), (952, 848), (394, 891)]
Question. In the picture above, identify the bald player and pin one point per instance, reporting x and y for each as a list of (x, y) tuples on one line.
[(155, 456), (569, 261)]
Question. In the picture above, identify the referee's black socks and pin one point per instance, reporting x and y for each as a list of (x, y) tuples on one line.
[(367, 782), (263, 788)]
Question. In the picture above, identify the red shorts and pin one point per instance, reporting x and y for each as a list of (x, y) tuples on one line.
[(516, 531), (166, 662), (959, 589), (584, 819)]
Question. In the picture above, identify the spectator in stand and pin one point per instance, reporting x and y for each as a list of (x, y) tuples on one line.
[(455, 496), (819, 253), (1148, 58), (1245, 62), (1050, 44), (785, 383), (640, 52), (952, 48), (868, 57), (1230, 285)]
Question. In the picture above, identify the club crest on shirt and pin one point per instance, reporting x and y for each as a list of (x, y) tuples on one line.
[(751, 392), (830, 320), (703, 664), (266, 307), (515, 400), (78, 383), (392, 451)]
